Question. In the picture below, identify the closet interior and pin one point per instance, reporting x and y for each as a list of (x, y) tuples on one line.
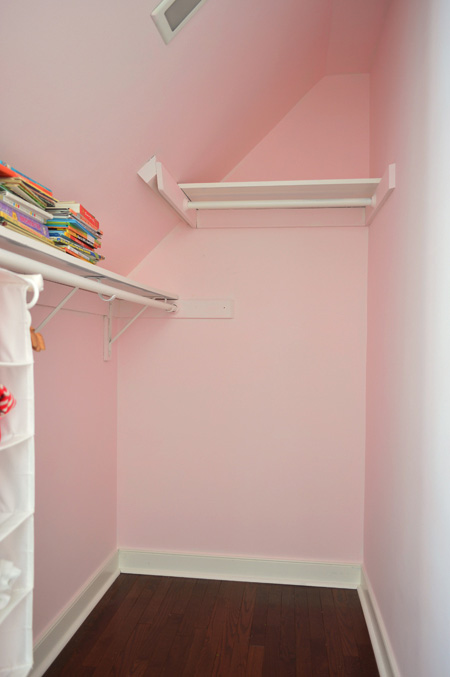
[(253, 383)]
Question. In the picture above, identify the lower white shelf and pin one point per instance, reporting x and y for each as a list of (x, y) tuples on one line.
[(16, 597), (16, 636), (19, 671), (9, 441), (8, 523), (16, 364)]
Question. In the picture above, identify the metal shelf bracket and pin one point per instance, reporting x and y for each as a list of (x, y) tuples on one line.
[(108, 338), (56, 309)]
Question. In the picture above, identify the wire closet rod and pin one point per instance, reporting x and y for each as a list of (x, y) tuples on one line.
[(21, 264)]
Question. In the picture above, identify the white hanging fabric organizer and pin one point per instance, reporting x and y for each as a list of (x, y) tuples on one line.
[(16, 473)]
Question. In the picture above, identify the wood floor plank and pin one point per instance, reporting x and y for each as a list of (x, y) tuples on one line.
[(330, 622), (302, 634), (352, 666), (216, 653), (229, 634), (345, 622), (241, 645), (183, 639), (287, 648), (157, 630), (201, 624), (203, 617), (131, 657), (272, 639), (255, 661), (259, 624), (165, 637), (319, 654), (128, 662)]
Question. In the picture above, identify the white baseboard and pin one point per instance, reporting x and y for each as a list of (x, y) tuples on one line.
[(240, 569), (68, 622), (387, 665)]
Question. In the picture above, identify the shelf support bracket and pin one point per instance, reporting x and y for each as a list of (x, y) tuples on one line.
[(108, 337), (56, 309), (385, 188), (158, 178)]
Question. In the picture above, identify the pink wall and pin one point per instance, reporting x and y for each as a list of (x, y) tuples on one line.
[(328, 129), (75, 455), (246, 436), (222, 446), (407, 510)]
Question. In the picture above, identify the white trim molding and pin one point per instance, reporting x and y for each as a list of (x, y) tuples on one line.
[(384, 654), (55, 639), (318, 574)]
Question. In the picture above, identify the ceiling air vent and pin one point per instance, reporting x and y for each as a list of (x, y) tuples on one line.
[(171, 15)]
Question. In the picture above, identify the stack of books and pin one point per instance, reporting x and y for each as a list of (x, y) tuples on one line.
[(75, 230), (29, 208), (23, 204)]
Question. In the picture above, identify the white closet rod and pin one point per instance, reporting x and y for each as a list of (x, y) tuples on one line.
[(280, 204), (23, 265)]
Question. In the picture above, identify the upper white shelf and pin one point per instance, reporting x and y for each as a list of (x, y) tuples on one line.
[(58, 266), (240, 193), (189, 199)]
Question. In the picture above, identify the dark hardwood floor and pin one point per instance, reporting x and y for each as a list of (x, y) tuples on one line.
[(177, 627)]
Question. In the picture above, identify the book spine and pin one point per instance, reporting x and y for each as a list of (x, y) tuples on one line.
[(89, 218), (24, 207), (79, 217), (6, 210), (74, 222), (24, 176), (80, 212), (22, 229)]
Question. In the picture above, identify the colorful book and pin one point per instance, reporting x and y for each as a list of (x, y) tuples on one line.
[(11, 213), (7, 170), (81, 211), (73, 222), (64, 214), (19, 188), (20, 228), (72, 238), (70, 231), (23, 206), (71, 248)]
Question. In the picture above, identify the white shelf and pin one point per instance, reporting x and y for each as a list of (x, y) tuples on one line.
[(17, 473), (16, 364), (16, 597), (12, 522), (13, 440), (20, 671), (239, 193), (192, 200), (27, 256), (46, 254)]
